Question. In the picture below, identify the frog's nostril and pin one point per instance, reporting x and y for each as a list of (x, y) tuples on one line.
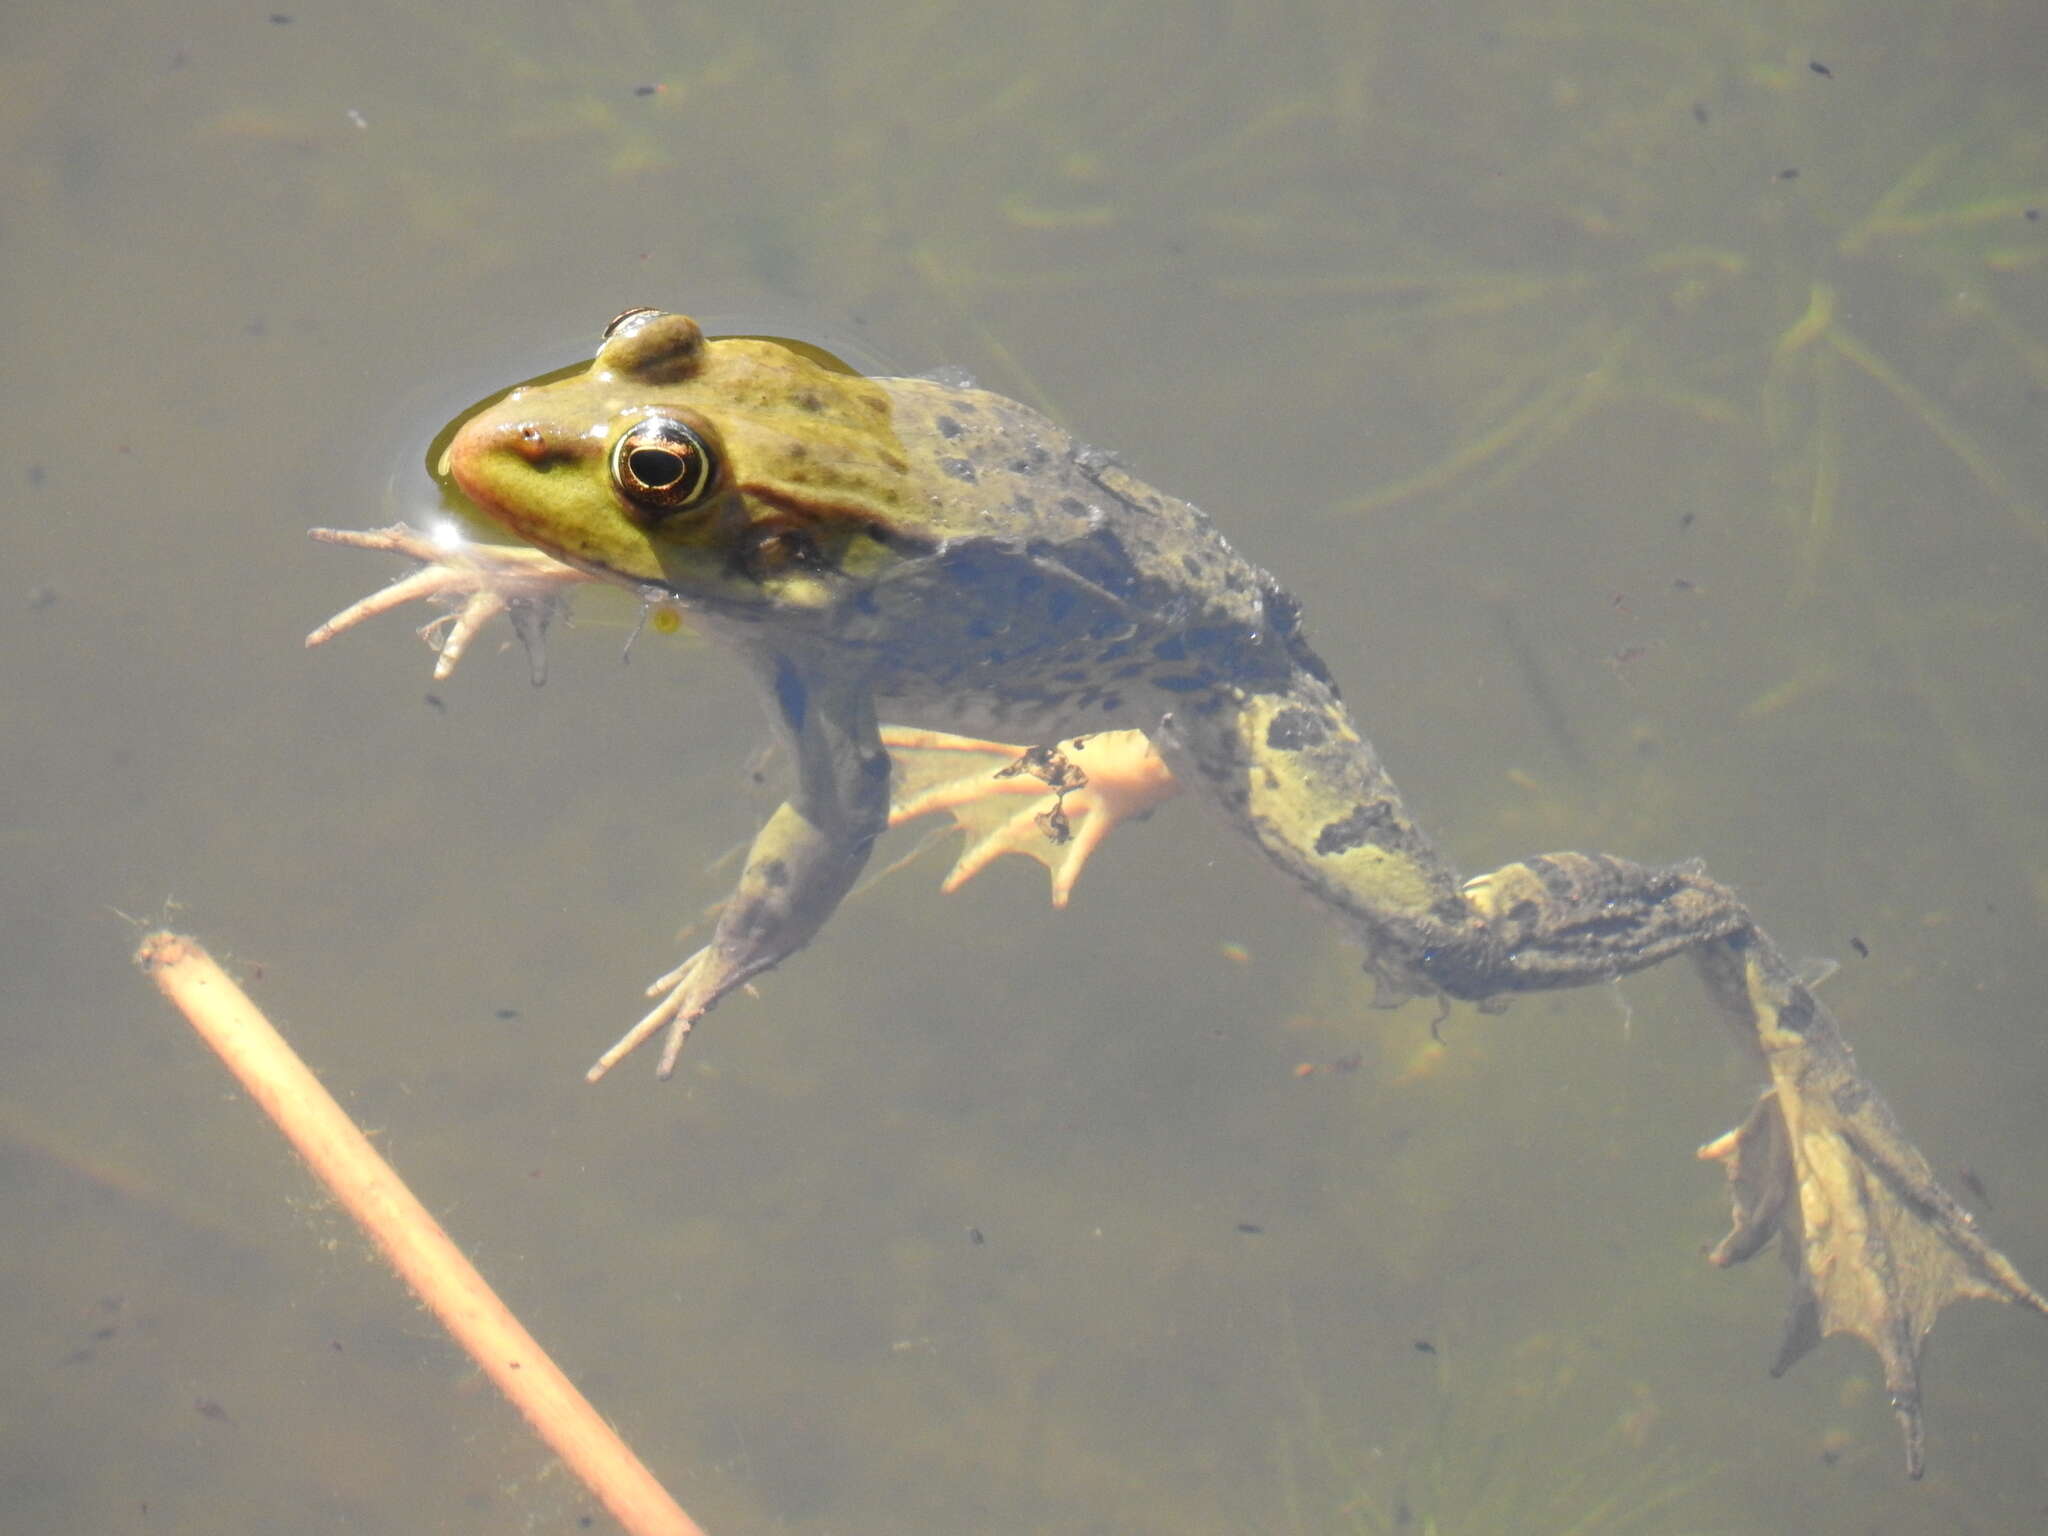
[(528, 441)]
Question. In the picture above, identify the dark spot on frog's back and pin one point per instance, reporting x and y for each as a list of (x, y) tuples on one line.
[(959, 469), (775, 873), (1293, 730), (1100, 559), (948, 427), (1352, 830)]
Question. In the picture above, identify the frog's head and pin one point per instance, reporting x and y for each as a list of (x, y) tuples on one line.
[(737, 473)]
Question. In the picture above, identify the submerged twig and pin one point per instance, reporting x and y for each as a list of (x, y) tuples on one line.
[(408, 1236)]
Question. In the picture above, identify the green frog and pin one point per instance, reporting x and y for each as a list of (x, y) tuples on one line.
[(923, 547)]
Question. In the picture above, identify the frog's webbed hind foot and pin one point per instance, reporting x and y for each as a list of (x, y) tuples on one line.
[(1073, 795), (1875, 1245)]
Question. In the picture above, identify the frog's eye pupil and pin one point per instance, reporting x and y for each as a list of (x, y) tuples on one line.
[(663, 465), (657, 468)]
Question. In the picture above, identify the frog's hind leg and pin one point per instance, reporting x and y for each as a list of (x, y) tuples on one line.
[(1876, 1246)]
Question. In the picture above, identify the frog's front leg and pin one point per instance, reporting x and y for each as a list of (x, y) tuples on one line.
[(801, 863)]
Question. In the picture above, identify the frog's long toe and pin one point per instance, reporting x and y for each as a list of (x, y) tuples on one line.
[(451, 633), (433, 581)]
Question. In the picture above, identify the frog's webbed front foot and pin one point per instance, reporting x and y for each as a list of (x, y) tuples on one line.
[(477, 581), (1876, 1246), (686, 994), (797, 871), (1075, 793)]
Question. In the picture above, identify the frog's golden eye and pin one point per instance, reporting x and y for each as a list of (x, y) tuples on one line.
[(662, 466)]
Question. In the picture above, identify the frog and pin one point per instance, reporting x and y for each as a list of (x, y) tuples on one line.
[(920, 547)]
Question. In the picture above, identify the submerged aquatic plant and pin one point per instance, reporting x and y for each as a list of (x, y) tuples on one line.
[(1535, 1442), (1676, 256)]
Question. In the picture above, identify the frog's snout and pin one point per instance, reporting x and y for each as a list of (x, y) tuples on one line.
[(488, 454), (482, 440)]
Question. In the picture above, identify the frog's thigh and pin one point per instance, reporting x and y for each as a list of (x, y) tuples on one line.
[(1312, 792)]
